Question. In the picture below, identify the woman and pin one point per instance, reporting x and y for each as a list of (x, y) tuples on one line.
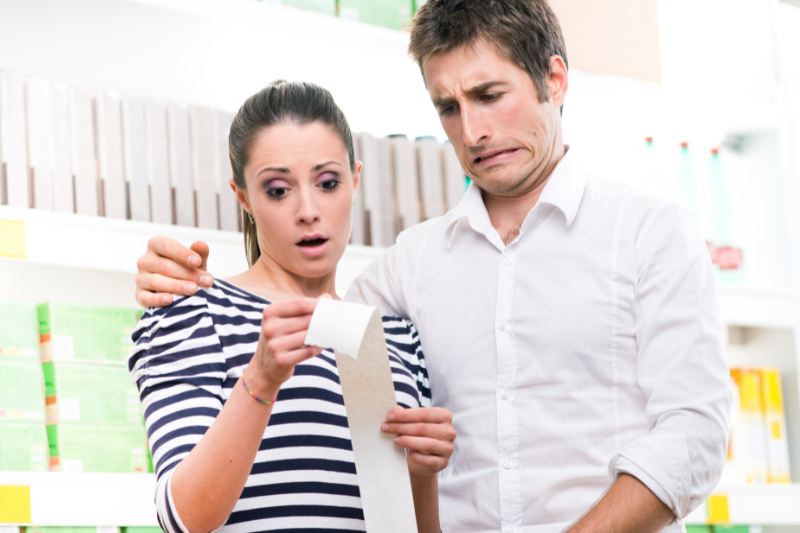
[(246, 423)]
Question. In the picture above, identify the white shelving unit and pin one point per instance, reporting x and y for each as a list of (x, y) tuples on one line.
[(216, 53), (93, 260)]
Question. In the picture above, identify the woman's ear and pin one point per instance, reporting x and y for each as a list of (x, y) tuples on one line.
[(241, 196), (357, 176)]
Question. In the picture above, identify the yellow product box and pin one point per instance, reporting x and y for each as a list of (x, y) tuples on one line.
[(749, 440), (778, 470)]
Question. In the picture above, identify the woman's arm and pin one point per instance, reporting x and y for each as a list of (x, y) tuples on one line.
[(206, 483)]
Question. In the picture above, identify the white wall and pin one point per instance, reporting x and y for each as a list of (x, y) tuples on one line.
[(216, 53)]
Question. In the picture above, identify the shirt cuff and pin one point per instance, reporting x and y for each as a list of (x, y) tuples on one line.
[(662, 464)]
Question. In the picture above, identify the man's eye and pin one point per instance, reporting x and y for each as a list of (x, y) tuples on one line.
[(489, 97), (446, 111)]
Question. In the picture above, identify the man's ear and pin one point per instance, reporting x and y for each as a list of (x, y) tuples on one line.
[(557, 80)]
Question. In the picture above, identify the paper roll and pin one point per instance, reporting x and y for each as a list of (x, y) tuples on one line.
[(355, 332)]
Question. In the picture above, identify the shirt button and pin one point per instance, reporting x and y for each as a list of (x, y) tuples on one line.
[(509, 259), (504, 393), (504, 326), (508, 463)]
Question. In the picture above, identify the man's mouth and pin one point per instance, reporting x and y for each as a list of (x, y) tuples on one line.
[(491, 155)]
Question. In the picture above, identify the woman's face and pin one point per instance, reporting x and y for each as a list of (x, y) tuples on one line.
[(300, 192)]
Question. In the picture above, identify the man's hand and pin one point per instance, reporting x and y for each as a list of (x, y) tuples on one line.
[(168, 268), (428, 435)]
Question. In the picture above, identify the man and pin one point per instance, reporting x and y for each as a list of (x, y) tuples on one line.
[(569, 324)]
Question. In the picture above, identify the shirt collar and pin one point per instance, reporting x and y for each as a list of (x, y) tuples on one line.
[(563, 190)]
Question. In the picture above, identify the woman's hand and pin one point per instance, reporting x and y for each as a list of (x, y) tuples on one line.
[(428, 435), (281, 343)]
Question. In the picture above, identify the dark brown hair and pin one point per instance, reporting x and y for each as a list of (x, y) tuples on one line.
[(280, 101), (527, 32)]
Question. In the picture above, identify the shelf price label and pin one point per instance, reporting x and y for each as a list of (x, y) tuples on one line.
[(718, 509), (12, 239), (15, 503)]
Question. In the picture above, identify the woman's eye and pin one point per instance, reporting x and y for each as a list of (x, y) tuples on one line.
[(330, 184), (276, 192)]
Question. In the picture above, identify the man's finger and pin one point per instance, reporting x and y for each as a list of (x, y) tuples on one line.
[(201, 249), (159, 283), (443, 432), (154, 299), (172, 249)]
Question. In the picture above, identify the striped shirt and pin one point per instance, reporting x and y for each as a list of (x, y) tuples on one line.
[(187, 359)]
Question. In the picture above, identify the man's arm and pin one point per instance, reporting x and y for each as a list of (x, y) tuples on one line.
[(627, 506), (680, 367)]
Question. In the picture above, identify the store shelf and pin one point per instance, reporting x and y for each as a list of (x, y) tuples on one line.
[(758, 308), (72, 252), (765, 505), (67, 499)]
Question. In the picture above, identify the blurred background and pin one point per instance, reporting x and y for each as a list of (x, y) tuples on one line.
[(113, 129)]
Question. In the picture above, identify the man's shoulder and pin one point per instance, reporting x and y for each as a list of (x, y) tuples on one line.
[(416, 236)]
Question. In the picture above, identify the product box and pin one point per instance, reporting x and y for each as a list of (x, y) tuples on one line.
[(96, 448), (65, 529), (19, 331), (778, 470), (327, 7), (394, 14), (23, 446), (141, 529), (87, 393), (698, 529), (86, 333), (21, 391), (749, 438)]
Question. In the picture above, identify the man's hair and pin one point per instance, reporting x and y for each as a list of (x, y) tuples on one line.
[(525, 31)]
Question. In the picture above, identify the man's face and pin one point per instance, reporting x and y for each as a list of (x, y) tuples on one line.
[(506, 140)]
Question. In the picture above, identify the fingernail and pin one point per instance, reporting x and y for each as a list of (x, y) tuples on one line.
[(194, 260), (189, 288), (206, 280), (391, 417), (168, 299), (384, 427)]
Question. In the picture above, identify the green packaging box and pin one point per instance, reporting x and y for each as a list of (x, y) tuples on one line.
[(698, 529), (66, 529), (19, 330), (141, 529), (87, 393), (96, 448), (21, 390), (327, 7), (395, 14), (23, 447), (86, 333)]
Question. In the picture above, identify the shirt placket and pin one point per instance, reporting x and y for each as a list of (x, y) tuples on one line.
[(508, 466)]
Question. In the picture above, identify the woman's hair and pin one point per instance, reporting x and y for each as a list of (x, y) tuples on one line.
[(280, 101)]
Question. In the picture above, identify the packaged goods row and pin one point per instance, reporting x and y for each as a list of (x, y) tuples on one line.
[(67, 149), (67, 401)]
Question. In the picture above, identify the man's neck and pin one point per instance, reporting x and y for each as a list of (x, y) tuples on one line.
[(507, 213)]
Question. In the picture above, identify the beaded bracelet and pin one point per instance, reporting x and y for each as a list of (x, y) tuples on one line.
[(253, 396)]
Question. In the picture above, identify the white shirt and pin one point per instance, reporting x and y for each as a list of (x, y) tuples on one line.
[(589, 346)]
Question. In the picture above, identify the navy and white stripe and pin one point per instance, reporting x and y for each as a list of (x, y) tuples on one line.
[(187, 359)]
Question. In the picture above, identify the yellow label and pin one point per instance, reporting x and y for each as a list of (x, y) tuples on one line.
[(776, 430), (15, 504), (12, 239), (717, 506)]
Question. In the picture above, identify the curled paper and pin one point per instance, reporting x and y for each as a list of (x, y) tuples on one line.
[(355, 332)]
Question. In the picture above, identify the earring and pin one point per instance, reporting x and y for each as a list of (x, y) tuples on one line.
[(250, 217)]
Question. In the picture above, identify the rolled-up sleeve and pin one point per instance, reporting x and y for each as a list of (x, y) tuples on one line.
[(179, 369), (681, 366)]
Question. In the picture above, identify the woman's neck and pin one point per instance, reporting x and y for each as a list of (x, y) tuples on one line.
[(266, 278)]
